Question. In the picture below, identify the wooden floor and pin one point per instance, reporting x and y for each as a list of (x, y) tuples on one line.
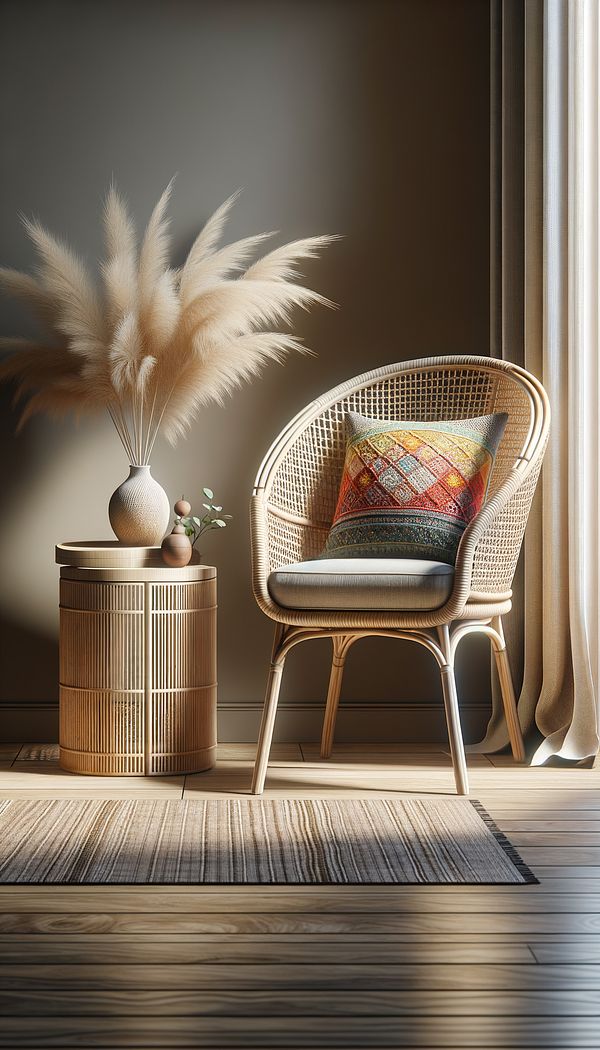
[(345, 967)]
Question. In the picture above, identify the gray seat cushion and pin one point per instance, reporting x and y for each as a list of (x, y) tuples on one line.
[(398, 584)]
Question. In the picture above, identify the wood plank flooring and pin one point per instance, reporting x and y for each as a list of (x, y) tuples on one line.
[(288, 967)]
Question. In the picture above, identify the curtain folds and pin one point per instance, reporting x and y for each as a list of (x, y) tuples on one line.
[(545, 229)]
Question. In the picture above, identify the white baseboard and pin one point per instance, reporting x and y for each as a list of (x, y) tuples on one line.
[(37, 721)]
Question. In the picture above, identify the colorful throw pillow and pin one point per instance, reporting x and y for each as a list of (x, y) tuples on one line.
[(410, 489)]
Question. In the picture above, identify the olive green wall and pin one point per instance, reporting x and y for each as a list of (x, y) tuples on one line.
[(370, 119)]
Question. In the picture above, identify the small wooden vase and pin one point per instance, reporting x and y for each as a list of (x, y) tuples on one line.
[(176, 548)]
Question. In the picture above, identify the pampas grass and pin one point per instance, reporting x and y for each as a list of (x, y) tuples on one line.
[(153, 345)]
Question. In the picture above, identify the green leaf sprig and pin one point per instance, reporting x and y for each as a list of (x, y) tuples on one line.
[(213, 518)]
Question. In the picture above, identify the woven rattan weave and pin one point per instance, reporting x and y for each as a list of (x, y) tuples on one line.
[(295, 496)]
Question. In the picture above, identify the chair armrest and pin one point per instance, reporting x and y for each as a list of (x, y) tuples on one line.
[(259, 546), (278, 538), (490, 545)]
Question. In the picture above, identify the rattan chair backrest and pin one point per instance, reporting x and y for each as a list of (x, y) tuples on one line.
[(301, 473)]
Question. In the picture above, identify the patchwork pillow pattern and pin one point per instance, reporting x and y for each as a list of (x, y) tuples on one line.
[(409, 489)]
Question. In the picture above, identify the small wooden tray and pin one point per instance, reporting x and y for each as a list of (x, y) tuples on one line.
[(110, 554)]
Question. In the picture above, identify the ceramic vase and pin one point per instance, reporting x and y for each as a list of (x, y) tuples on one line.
[(139, 509)]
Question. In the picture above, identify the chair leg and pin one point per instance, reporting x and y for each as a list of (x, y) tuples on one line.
[(508, 695), (268, 716), (341, 644), (457, 748)]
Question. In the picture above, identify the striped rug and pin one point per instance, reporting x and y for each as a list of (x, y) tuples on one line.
[(254, 841)]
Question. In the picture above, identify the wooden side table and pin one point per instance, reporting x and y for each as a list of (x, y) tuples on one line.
[(138, 688)]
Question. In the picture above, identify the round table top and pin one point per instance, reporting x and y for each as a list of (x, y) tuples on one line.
[(101, 559)]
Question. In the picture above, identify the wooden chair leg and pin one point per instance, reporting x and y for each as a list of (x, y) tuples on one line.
[(508, 695), (457, 748), (341, 644), (268, 716)]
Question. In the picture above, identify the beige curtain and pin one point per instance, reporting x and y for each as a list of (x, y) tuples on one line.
[(545, 315)]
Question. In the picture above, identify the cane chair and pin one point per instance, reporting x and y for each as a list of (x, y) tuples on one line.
[(294, 500)]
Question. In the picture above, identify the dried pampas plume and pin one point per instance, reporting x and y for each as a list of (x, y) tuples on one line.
[(154, 345)]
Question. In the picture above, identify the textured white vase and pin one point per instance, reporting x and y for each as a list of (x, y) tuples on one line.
[(139, 510)]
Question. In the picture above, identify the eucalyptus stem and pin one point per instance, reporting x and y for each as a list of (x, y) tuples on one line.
[(198, 535)]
